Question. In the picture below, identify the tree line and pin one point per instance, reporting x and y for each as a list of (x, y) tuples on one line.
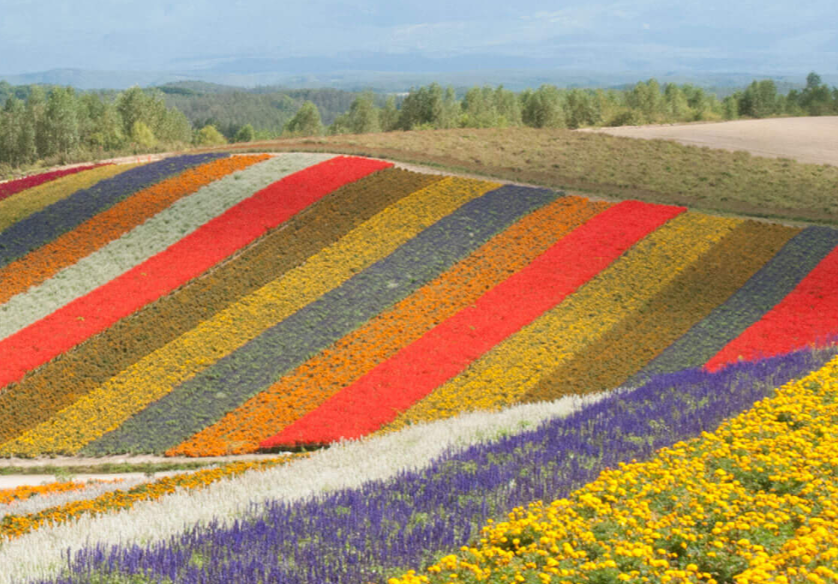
[(60, 124), (63, 125), (433, 107)]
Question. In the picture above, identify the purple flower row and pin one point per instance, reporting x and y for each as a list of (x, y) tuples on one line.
[(62, 216), (380, 529)]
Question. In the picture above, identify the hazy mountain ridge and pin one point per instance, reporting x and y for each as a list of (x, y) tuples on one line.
[(258, 73)]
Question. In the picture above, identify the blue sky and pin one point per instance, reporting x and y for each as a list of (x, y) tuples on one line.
[(170, 35)]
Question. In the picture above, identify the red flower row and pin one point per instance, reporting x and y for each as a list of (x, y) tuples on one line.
[(807, 316), (7, 189), (448, 349), (187, 259)]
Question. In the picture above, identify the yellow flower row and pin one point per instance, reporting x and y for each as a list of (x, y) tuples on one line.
[(33, 200), (513, 367), (755, 501), (109, 405)]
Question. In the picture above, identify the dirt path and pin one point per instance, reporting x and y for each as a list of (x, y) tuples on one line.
[(10, 481), (120, 459), (812, 139), (15, 481)]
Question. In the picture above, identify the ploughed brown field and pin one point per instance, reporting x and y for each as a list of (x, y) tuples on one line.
[(813, 140)]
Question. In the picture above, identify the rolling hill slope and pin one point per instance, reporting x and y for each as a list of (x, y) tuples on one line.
[(212, 304)]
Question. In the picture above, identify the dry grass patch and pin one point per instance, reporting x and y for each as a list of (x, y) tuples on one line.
[(624, 168)]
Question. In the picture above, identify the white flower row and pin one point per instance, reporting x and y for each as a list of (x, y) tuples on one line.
[(345, 465), (38, 503), (146, 240)]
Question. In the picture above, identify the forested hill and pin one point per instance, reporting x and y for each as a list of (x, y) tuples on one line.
[(228, 108), (267, 109)]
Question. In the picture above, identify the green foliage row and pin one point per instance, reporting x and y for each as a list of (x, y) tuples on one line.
[(267, 109)]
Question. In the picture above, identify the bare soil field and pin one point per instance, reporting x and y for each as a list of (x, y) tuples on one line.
[(813, 140)]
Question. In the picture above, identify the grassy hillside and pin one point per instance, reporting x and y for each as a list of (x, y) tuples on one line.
[(623, 168)]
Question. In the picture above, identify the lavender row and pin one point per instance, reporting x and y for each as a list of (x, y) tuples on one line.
[(219, 389), (764, 290), (42, 227), (370, 533)]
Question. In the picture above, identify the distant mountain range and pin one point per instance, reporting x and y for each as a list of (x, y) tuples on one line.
[(395, 73)]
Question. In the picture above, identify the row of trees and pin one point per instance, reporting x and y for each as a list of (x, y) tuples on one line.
[(63, 124), (761, 99), (433, 107)]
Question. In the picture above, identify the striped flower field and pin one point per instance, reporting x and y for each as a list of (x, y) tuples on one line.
[(515, 384), (217, 304)]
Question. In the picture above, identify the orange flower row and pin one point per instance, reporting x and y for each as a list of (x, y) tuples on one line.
[(14, 526), (359, 352), (27, 491), (77, 372), (44, 262)]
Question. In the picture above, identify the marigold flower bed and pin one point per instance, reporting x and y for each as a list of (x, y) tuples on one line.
[(22, 493), (161, 274), (189, 216), (188, 258), (14, 526), (808, 314), (75, 373), (685, 301), (776, 279), (87, 491), (256, 365), (449, 348), (43, 263), (412, 517), (754, 501), (357, 353), (62, 216), (505, 374)]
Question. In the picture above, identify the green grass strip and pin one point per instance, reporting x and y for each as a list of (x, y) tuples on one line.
[(660, 171)]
